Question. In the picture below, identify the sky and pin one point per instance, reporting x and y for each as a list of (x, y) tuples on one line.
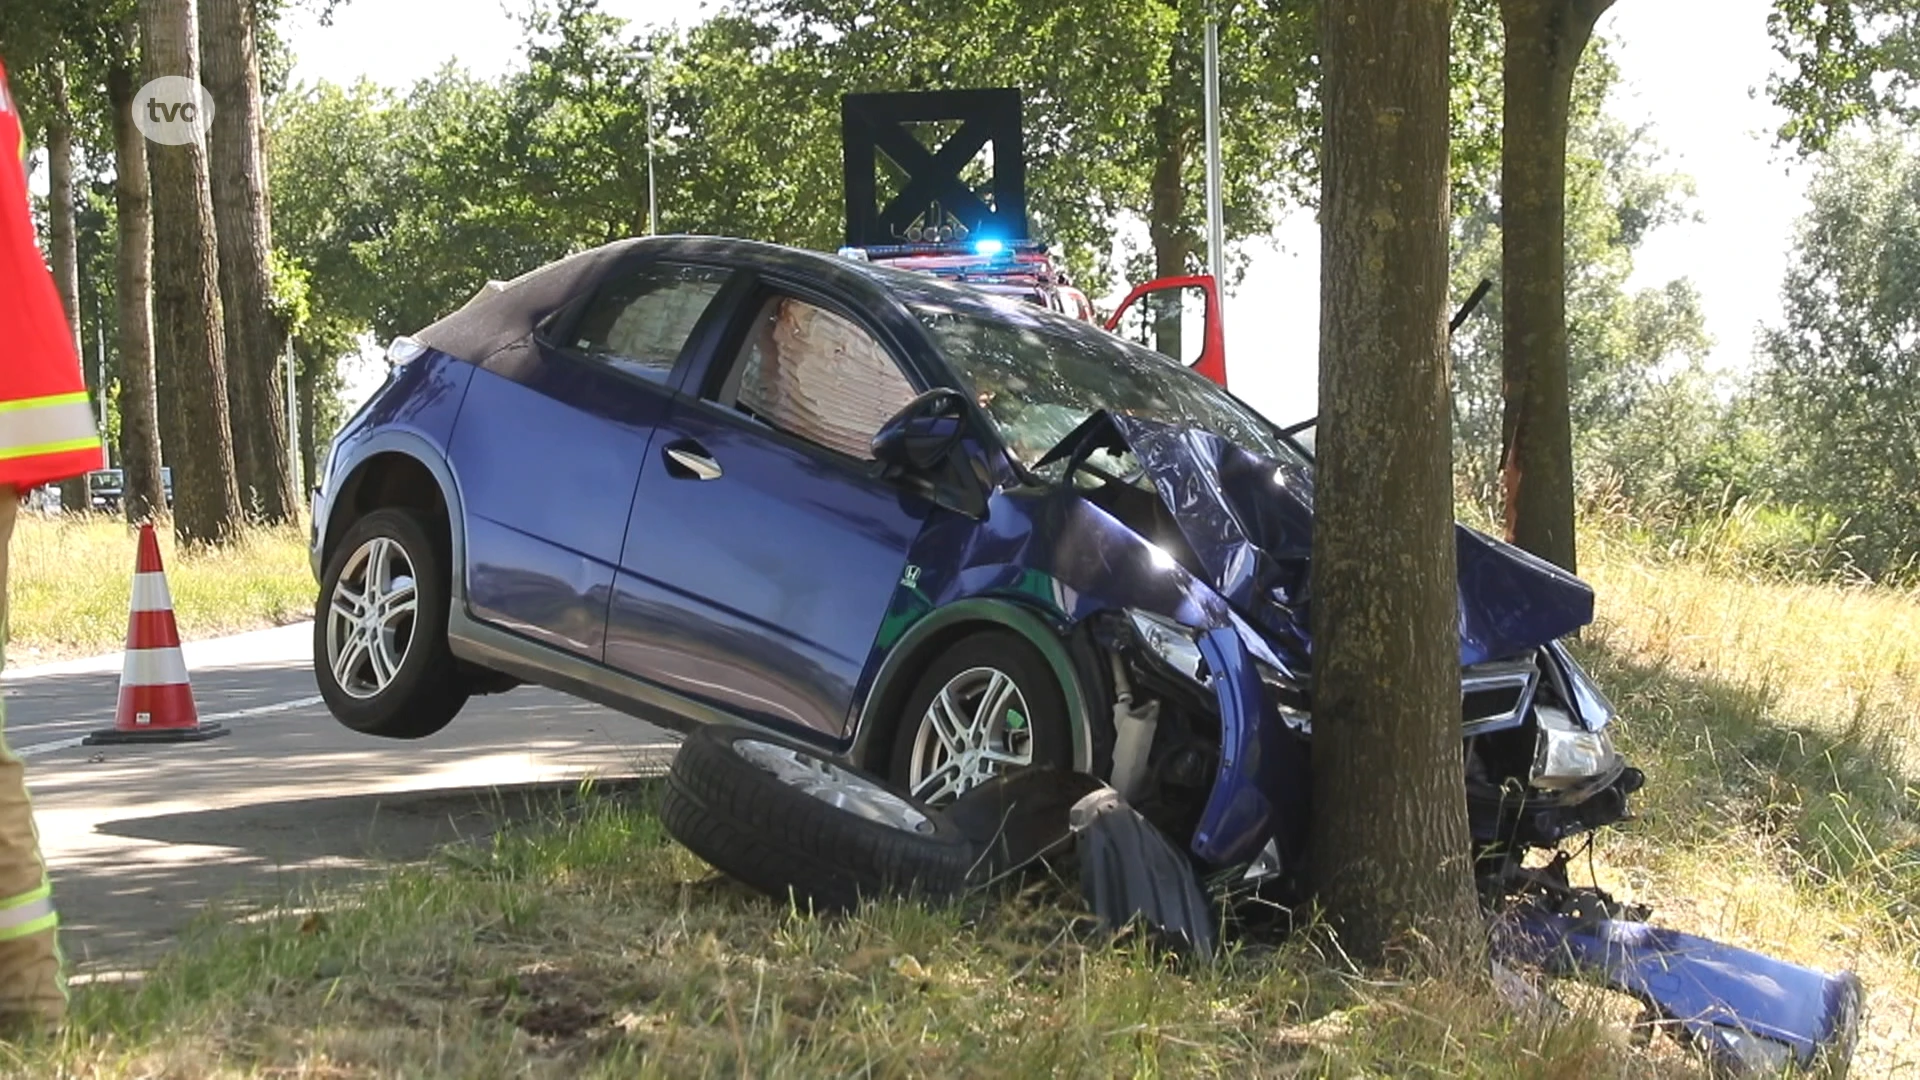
[(1705, 106)]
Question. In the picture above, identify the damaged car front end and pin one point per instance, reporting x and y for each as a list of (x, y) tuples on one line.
[(1212, 720)]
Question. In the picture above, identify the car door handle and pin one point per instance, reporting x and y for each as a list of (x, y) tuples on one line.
[(688, 457)]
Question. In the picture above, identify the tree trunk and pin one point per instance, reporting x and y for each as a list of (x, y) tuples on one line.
[(1165, 227), (1544, 40), (307, 439), (1390, 851), (255, 339), (142, 496), (63, 237), (189, 351)]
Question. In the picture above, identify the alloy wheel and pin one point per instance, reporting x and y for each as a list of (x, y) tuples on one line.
[(370, 618), (834, 785), (976, 727)]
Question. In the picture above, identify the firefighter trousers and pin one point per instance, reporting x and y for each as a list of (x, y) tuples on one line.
[(33, 991)]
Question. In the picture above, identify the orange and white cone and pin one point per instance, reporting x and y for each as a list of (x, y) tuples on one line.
[(156, 697)]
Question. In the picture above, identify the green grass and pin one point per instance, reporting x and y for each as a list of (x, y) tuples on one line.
[(70, 579), (1776, 723), (594, 947)]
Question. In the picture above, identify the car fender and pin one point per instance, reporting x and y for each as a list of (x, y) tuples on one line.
[(353, 464), (906, 658)]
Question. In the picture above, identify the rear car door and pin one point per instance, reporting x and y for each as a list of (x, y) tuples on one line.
[(549, 444), (763, 550)]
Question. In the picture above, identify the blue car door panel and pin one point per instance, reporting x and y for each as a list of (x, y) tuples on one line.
[(549, 446), (762, 550)]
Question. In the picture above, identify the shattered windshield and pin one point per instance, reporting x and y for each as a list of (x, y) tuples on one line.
[(1038, 377)]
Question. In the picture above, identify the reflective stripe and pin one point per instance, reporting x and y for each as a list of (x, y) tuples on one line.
[(153, 667), (28, 913), (150, 592), (47, 425)]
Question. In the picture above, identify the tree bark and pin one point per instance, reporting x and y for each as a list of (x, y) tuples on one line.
[(1544, 40), (142, 497), (189, 350), (307, 439), (256, 340), (1165, 227), (63, 238), (1390, 851)]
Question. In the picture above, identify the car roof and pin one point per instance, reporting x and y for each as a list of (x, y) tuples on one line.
[(504, 312)]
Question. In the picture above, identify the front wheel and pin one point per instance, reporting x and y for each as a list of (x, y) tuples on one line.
[(380, 634), (988, 705)]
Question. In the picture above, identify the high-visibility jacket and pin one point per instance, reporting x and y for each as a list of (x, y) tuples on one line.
[(47, 430)]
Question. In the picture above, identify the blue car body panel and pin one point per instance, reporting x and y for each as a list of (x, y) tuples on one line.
[(547, 504), (760, 591), (1719, 994)]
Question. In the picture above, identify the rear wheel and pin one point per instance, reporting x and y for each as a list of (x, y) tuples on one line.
[(988, 705), (380, 634)]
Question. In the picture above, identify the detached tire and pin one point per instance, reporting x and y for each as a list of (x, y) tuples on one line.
[(380, 630), (756, 807)]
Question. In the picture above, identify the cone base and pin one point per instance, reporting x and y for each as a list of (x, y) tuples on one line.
[(200, 732)]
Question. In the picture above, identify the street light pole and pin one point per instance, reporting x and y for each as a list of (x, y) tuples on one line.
[(1216, 213), (653, 208)]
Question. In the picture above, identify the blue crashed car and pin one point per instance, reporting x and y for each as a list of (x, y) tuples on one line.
[(916, 536)]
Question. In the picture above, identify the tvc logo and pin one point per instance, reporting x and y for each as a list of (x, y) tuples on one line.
[(173, 110)]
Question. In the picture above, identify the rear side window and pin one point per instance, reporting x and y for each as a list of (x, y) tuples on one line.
[(640, 322)]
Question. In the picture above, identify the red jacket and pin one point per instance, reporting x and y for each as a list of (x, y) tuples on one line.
[(47, 430)]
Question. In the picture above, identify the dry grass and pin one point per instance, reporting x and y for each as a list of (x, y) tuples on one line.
[(1775, 724), (71, 578)]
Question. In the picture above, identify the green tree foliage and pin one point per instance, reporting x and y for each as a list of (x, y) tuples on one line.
[(1629, 350), (1113, 104), (1841, 375), (1848, 61)]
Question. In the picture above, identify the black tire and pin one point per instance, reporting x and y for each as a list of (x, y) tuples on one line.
[(427, 688), (781, 840), (1009, 653)]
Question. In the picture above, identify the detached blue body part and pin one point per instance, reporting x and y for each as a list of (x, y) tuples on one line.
[(1746, 1010), (655, 476)]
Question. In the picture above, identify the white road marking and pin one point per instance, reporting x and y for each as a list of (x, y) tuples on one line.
[(238, 714)]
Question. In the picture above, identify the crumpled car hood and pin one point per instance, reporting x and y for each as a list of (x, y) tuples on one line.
[(1249, 521)]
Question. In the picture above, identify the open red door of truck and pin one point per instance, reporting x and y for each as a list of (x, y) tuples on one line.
[(1178, 317)]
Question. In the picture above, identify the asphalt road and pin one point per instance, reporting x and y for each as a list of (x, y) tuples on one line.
[(143, 839)]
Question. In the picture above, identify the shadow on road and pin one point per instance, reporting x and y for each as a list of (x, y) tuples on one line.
[(256, 855), (141, 839)]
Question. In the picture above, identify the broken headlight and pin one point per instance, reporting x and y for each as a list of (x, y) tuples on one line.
[(1568, 755), (1595, 711), (1170, 643)]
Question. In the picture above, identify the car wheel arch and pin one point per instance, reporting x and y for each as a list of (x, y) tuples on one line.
[(400, 470), (1067, 649)]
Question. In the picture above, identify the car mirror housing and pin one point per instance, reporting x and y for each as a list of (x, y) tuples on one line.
[(923, 434)]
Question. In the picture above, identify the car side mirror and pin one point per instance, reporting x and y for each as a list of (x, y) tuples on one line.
[(924, 433)]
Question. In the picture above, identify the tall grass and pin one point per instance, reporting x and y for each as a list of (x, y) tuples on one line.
[(1779, 725), (71, 577)]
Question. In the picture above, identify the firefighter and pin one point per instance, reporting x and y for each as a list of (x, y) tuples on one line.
[(47, 433)]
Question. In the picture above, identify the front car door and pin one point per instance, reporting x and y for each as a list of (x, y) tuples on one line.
[(763, 550), (549, 446)]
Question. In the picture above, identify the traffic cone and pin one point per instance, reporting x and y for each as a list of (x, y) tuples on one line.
[(156, 699)]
